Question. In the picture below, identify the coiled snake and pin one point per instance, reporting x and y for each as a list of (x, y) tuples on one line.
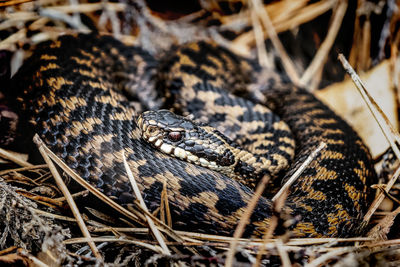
[(72, 93)]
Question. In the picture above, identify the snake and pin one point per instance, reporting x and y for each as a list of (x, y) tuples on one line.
[(202, 132)]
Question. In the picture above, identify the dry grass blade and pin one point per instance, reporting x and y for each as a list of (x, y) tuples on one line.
[(269, 27), (7, 155), (381, 230), (138, 195), (244, 219), (14, 2), (90, 7), (29, 168), (291, 15), (13, 39), (283, 254), (259, 36), (113, 239), (297, 173), (387, 128), (67, 194), (391, 135), (243, 241), (328, 256), (7, 250), (54, 216), (34, 260), (379, 198), (164, 209), (323, 51)]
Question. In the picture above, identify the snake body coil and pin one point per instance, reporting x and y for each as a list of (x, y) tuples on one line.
[(70, 91)]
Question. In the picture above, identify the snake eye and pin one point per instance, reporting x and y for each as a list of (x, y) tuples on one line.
[(175, 136)]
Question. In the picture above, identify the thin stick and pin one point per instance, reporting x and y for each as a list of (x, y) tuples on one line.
[(250, 242), (90, 7), (259, 37), (387, 128), (325, 47), (292, 20), (244, 219), (138, 195), (14, 2), (381, 196), (33, 167), (32, 259), (286, 61), (283, 253), (322, 259), (68, 197), (164, 209), (297, 173), (113, 239), (7, 155)]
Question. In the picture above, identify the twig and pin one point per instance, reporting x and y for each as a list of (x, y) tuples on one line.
[(68, 197), (113, 239), (334, 253), (75, 16), (164, 209), (292, 19), (57, 15), (259, 37), (244, 219), (282, 253), (13, 21), (90, 7), (286, 61), (297, 173), (383, 243), (7, 155), (139, 197), (75, 195), (115, 23), (14, 2), (391, 135), (33, 260), (28, 168), (381, 196), (387, 129), (325, 47)]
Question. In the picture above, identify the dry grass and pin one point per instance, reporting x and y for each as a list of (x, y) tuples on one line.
[(144, 235)]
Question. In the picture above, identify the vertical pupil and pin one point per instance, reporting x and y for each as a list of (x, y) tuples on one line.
[(174, 136)]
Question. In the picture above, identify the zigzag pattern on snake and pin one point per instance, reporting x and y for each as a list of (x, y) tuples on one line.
[(72, 93)]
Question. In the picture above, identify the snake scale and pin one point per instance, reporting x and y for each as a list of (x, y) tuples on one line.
[(72, 93)]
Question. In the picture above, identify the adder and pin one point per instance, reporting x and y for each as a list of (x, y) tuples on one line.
[(73, 93)]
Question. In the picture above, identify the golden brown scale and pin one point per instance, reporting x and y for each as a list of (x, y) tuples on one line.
[(71, 93)]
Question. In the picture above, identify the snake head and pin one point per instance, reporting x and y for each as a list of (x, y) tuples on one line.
[(184, 139)]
